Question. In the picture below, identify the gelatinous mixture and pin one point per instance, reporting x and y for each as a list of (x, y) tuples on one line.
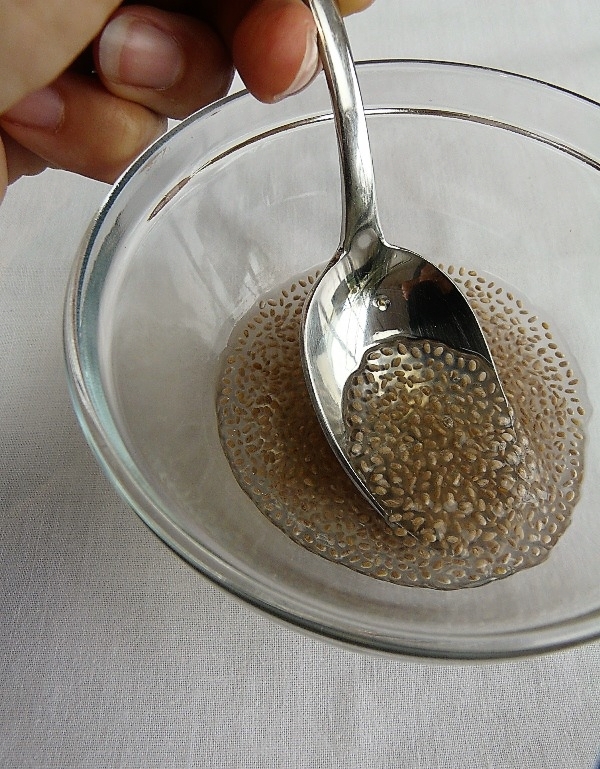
[(469, 496)]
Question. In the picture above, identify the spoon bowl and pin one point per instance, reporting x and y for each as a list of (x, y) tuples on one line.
[(374, 296)]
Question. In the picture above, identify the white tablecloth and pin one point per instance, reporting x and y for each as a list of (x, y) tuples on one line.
[(114, 653)]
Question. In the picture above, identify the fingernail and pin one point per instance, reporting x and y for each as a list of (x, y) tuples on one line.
[(42, 109), (132, 52), (308, 69)]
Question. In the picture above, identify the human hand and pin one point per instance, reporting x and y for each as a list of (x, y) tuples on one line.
[(85, 85)]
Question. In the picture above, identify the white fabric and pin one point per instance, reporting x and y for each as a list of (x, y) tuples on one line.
[(114, 653)]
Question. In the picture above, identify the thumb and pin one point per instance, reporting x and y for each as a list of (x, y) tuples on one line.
[(40, 38)]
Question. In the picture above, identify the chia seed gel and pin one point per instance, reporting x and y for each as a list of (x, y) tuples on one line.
[(471, 495)]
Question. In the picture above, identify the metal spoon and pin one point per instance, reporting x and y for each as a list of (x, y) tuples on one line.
[(365, 296)]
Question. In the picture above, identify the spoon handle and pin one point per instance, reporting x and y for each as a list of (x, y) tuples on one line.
[(359, 210)]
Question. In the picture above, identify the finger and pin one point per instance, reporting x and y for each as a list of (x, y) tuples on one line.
[(275, 48), (171, 63), (228, 16), (274, 45), (353, 6), (19, 161), (41, 37), (77, 125)]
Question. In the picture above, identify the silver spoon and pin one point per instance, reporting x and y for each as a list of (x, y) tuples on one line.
[(364, 297)]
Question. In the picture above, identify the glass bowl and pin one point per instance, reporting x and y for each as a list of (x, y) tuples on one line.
[(474, 166)]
